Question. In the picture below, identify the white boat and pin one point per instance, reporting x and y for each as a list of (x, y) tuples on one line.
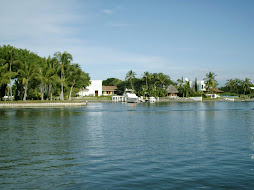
[(152, 99), (130, 96)]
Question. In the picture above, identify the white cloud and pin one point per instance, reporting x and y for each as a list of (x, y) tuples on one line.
[(107, 11)]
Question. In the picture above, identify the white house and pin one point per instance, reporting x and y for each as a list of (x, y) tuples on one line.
[(94, 89), (200, 85)]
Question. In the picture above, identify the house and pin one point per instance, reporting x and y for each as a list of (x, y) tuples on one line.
[(200, 85), (109, 90), (94, 89), (215, 93), (172, 91)]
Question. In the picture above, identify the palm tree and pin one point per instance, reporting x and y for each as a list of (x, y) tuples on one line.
[(187, 89), (6, 69), (246, 85), (147, 76), (40, 75), (64, 59), (129, 77), (26, 73), (180, 82), (210, 81), (161, 79), (51, 76), (237, 84), (230, 84), (76, 76)]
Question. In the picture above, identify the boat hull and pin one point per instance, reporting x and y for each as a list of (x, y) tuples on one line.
[(131, 100)]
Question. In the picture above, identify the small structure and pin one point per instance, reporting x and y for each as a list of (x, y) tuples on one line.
[(216, 93), (94, 89), (118, 98), (109, 90), (172, 91)]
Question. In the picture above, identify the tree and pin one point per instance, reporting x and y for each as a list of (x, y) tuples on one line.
[(76, 77), (163, 80), (26, 73), (187, 89), (210, 81), (51, 76), (196, 85), (180, 82), (147, 76), (64, 59), (230, 84), (7, 73), (111, 82), (246, 85), (129, 77)]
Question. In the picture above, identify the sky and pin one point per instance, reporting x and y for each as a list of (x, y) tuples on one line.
[(107, 38)]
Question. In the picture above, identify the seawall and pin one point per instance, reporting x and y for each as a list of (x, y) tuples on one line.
[(43, 104)]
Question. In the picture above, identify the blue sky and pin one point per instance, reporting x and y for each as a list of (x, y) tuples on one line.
[(110, 37)]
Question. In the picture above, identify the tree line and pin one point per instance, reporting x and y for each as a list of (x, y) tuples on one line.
[(155, 84), (25, 75), (150, 84)]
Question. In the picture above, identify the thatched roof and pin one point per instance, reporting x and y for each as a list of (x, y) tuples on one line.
[(171, 89), (217, 90), (109, 88)]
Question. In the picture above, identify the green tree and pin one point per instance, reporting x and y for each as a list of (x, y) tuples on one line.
[(64, 59), (147, 76), (210, 81), (51, 76), (187, 89), (26, 73), (246, 85), (111, 82), (76, 77), (7, 73), (130, 76)]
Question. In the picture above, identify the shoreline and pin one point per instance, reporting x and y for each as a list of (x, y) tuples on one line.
[(81, 103), (41, 104)]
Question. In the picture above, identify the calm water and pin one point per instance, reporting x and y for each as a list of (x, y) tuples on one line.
[(119, 146)]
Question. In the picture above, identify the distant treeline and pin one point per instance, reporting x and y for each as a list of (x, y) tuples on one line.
[(155, 84), (25, 75)]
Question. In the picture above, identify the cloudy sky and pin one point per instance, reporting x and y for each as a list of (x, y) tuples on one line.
[(110, 37)]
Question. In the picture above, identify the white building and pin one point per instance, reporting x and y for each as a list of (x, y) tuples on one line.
[(200, 85), (94, 89)]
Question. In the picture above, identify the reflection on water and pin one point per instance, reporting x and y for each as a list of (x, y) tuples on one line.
[(119, 146)]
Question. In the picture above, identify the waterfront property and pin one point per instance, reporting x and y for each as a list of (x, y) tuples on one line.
[(172, 91), (94, 89), (109, 90), (200, 85), (215, 93)]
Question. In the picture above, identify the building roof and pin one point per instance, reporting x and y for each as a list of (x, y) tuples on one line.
[(171, 89), (109, 88), (217, 90)]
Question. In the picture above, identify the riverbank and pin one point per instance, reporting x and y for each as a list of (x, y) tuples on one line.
[(36, 104), (84, 101)]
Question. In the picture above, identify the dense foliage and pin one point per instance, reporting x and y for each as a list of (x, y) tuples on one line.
[(237, 87), (150, 84), (111, 82), (25, 75)]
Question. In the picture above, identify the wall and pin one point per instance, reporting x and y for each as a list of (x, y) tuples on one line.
[(96, 85)]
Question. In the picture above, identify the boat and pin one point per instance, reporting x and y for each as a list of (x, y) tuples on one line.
[(130, 96), (152, 99)]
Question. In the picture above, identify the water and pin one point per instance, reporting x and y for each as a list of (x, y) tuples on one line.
[(119, 146)]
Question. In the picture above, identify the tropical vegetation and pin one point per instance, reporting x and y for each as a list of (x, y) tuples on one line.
[(25, 75)]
